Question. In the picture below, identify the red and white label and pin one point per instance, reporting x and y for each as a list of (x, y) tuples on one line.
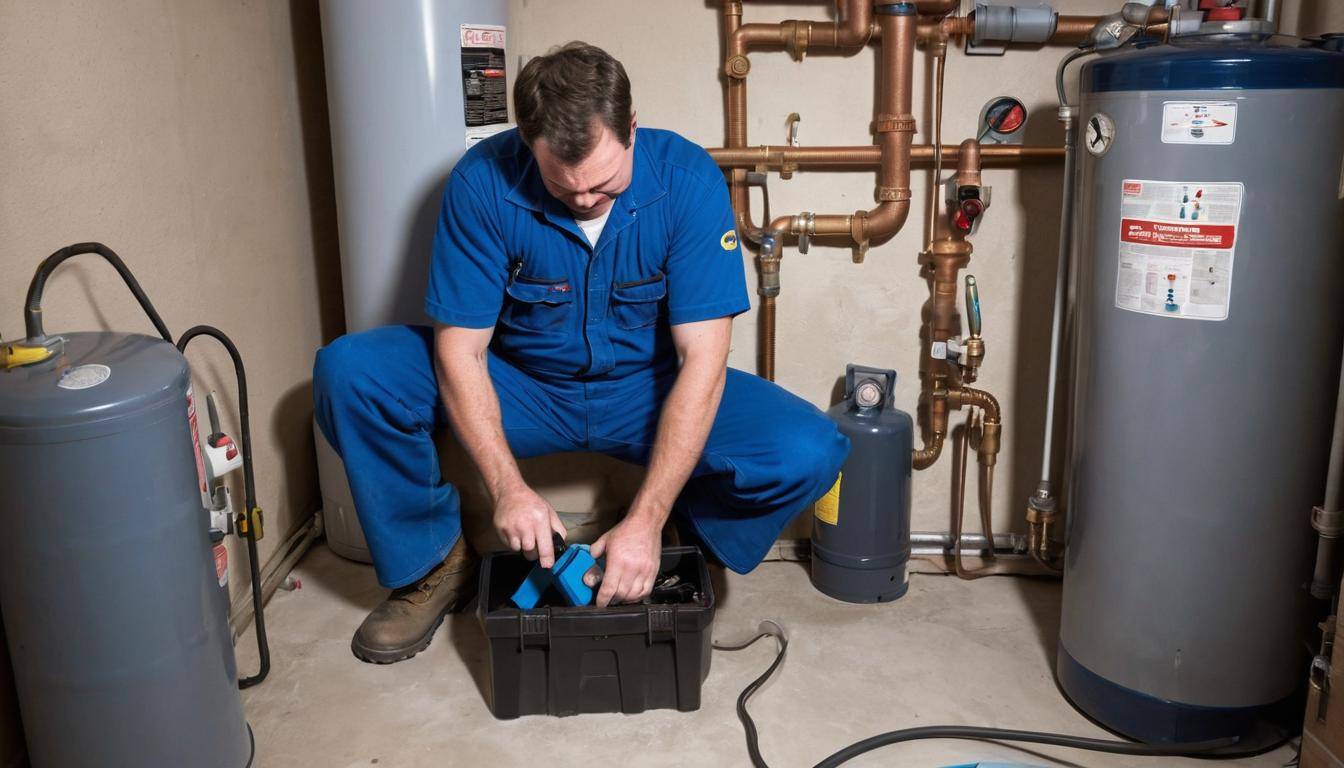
[(222, 565), (196, 439), (482, 36), (1177, 241), (1177, 235)]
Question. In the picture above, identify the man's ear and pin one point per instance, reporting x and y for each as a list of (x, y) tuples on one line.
[(633, 125)]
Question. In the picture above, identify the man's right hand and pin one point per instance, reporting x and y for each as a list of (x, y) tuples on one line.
[(524, 522)]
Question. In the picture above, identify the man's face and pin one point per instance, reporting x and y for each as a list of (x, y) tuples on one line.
[(589, 187)]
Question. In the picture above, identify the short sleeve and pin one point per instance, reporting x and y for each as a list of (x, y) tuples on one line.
[(705, 277), (468, 264)]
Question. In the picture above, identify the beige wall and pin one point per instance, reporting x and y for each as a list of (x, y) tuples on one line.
[(831, 311), (191, 137)]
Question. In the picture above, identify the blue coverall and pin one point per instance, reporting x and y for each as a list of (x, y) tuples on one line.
[(581, 358)]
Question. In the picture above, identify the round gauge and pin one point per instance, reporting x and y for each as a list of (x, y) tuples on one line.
[(1100, 134), (1001, 119)]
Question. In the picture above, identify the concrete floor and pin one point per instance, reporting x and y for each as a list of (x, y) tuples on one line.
[(949, 652)]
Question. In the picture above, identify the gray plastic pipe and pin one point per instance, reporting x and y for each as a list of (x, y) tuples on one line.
[(1045, 487), (1323, 583)]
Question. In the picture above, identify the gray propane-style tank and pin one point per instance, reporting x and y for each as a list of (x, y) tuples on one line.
[(861, 529), (115, 606)]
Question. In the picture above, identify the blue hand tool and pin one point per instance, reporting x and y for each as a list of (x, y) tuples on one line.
[(571, 563)]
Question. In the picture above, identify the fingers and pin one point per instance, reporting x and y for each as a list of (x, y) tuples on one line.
[(545, 549), (529, 544), (593, 576), (599, 547), (558, 525), (611, 588)]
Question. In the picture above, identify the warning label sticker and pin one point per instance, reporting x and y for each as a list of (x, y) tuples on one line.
[(827, 508), (1199, 122), (1177, 240)]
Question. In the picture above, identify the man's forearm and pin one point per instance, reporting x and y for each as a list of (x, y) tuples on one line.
[(473, 409), (687, 416)]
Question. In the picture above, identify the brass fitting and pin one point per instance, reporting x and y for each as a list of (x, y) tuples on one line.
[(926, 456), (988, 449), (972, 354), (769, 271), (737, 66), (797, 36)]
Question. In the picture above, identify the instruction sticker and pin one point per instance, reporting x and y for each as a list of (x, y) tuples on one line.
[(1177, 239), (827, 508), (1199, 122)]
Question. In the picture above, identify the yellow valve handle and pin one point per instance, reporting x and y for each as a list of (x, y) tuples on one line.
[(15, 355), (250, 524)]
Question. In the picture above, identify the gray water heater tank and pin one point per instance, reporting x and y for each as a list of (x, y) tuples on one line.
[(1210, 234), (115, 608)]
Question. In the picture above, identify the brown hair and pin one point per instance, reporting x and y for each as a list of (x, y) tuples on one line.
[(557, 96)]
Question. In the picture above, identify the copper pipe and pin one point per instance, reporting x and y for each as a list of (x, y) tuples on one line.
[(767, 352), (939, 53), (894, 126), (774, 157)]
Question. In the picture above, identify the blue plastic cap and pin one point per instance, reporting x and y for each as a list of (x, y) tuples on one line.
[(897, 9)]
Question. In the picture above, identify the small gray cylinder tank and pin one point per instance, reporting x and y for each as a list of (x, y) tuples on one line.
[(1210, 237), (114, 609), (861, 530)]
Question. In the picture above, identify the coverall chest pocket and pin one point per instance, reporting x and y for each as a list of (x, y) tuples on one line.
[(635, 304), (537, 304)]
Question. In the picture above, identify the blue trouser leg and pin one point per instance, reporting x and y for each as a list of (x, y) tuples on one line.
[(377, 403), (769, 455)]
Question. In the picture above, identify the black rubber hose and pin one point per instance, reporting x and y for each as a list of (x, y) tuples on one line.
[(975, 733), (32, 313), (249, 492), (1031, 737)]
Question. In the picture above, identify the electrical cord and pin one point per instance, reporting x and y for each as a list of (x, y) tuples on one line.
[(249, 493), (32, 313), (1211, 748)]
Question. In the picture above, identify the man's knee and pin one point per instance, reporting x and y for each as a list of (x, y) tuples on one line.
[(335, 367), (810, 450)]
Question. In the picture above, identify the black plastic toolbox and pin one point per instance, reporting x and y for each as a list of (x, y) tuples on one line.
[(567, 660)]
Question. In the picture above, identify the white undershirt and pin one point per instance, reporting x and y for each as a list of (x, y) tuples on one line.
[(592, 228)]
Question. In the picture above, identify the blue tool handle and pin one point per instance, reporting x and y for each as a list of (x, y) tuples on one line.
[(972, 305)]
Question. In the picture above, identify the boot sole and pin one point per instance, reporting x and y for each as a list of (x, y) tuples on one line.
[(393, 655)]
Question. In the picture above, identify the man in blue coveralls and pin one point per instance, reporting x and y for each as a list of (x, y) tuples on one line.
[(583, 281)]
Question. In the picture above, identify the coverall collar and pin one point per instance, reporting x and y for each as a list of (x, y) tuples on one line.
[(645, 187)]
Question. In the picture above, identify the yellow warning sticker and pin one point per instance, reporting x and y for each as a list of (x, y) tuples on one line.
[(828, 506)]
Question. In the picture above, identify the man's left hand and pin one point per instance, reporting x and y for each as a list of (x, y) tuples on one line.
[(633, 549)]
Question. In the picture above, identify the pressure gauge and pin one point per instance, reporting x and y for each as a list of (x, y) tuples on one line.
[(1001, 121), (1100, 134)]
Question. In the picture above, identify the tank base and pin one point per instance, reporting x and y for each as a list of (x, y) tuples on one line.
[(859, 585), (1152, 720)]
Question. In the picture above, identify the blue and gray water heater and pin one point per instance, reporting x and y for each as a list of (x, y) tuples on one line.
[(1210, 265)]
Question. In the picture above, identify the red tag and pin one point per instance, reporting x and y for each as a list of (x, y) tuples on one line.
[(1177, 235), (222, 565)]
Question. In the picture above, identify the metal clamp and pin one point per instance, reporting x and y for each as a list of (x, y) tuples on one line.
[(1327, 523), (807, 227), (1319, 677)]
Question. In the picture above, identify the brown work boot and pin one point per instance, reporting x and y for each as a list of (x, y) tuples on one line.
[(403, 624)]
